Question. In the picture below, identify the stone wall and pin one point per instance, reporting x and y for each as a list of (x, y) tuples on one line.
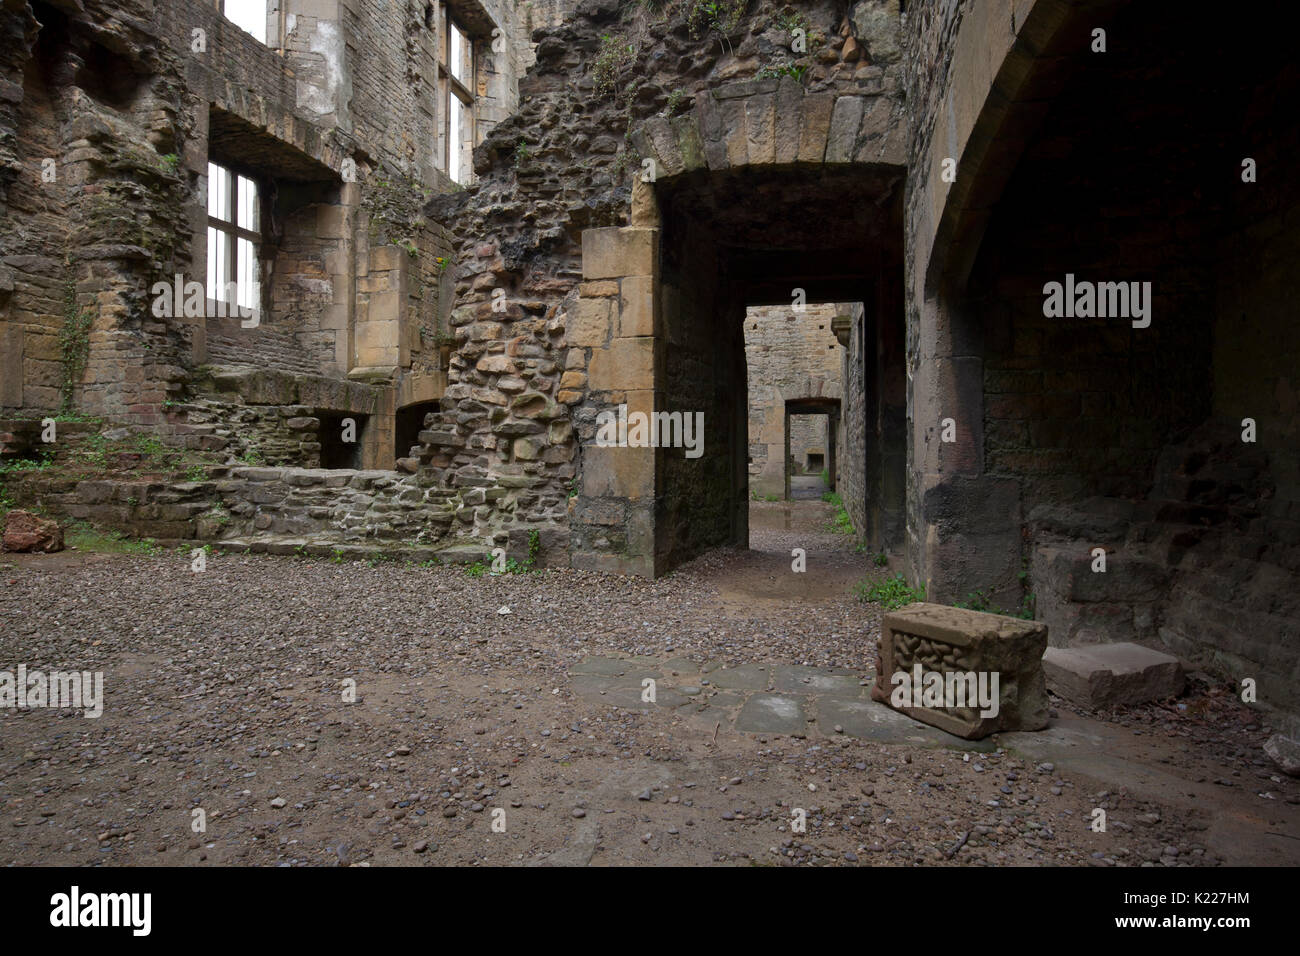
[(130, 101), (808, 445), (789, 355), (242, 506)]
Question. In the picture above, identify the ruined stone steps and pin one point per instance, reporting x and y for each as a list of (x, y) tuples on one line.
[(319, 547)]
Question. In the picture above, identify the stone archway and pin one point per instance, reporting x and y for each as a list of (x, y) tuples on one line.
[(662, 304)]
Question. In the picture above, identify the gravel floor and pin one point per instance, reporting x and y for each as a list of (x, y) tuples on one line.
[(224, 694)]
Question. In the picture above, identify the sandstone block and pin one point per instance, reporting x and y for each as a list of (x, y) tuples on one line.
[(689, 145), (760, 128), (331, 222), (816, 125), (498, 364), (626, 364), (590, 327), (24, 531), (1109, 675), (845, 119), (636, 312), (971, 652), (789, 116), (614, 251)]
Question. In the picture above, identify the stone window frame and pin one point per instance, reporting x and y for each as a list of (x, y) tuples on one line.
[(453, 86), (229, 231)]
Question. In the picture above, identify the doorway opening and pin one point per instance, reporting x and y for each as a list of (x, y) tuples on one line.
[(341, 435), (739, 241)]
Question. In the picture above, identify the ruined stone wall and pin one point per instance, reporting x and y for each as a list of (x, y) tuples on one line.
[(789, 355), (605, 88), (131, 100), (301, 510), (33, 296), (99, 206)]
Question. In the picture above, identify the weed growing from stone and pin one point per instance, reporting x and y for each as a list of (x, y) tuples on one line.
[(616, 54), (512, 566), (24, 465), (782, 69), (522, 153), (720, 17)]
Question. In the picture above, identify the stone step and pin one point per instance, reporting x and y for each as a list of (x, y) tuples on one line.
[(1111, 675), (348, 551)]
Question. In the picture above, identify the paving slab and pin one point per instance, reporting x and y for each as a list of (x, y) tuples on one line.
[(772, 714), (744, 677), (670, 698), (874, 721), (837, 682), (612, 691)]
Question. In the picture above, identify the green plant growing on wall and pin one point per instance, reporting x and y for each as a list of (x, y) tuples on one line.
[(718, 17), (770, 72), (169, 163), (977, 601), (522, 153), (675, 100), (74, 346), (789, 20), (621, 165), (512, 566), (614, 56), (980, 601)]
